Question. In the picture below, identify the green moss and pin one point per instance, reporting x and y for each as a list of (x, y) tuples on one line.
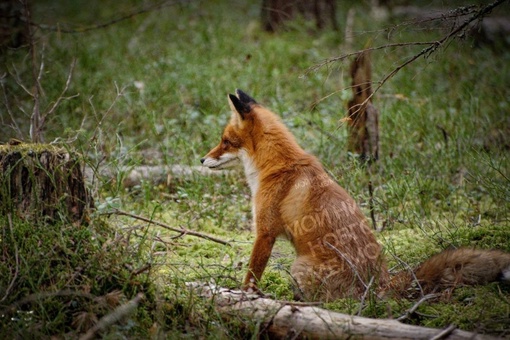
[(478, 309), (28, 148)]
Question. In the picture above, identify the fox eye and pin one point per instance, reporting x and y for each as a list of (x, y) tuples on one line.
[(226, 143)]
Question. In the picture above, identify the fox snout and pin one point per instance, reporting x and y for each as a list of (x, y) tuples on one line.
[(224, 161)]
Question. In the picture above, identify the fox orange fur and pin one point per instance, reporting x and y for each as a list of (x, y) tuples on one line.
[(293, 196)]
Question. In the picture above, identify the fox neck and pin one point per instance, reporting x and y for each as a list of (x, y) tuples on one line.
[(273, 149), (276, 153), (251, 172)]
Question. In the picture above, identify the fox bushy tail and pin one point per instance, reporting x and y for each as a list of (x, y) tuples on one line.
[(452, 268)]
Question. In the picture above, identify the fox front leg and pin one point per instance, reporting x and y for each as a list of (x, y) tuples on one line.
[(259, 257)]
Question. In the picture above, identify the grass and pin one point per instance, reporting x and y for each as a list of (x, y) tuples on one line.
[(152, 90)]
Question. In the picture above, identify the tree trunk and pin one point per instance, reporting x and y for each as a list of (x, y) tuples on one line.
[(287, 320), (42, 183), (363, 116), (13, 30), (275, 12)]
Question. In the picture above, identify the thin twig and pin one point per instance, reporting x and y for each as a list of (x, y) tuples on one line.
[(441, 16), (59, 28), (120, 93), (353, 267), (413, 309), (93, 141), (444, 333), (61, 97), (17, 78), (181, 230), (364, 296), (321, 130), (14, 124), (371, 204), (140, 270), (411, 271), (118, 314), (347, 55)]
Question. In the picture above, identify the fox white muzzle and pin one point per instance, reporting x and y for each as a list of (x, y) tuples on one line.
[(227, 160)]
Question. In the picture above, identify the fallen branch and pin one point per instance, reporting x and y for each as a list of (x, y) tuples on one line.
[(181, 230), (281, 320), (155, 174), (413, 309), (118, 314), (445, 333)]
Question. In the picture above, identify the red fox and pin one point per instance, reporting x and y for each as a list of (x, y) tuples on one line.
[(293, 196)]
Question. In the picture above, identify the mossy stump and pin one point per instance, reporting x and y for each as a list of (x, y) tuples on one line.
[(42, 183)]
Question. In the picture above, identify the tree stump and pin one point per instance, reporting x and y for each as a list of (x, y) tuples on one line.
[(42, 183)]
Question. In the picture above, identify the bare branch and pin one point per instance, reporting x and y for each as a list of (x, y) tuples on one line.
[(413, 309), (14, 124), (59, 28), (364, 296), (181, 230), (349, 262), (432, 46), (347, 55), (19, 82), (61, 97), (445, 333), (118, 314), (410, 270)]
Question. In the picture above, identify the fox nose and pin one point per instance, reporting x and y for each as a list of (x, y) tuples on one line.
[(202, 160)]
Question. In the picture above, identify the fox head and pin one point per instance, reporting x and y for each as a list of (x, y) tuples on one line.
[(234, 144)]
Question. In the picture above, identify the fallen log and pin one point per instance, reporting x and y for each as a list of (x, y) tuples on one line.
[(297, 320), (154, 174)]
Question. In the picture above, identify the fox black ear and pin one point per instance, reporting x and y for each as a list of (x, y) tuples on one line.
[(242, 108), (244, 98)]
